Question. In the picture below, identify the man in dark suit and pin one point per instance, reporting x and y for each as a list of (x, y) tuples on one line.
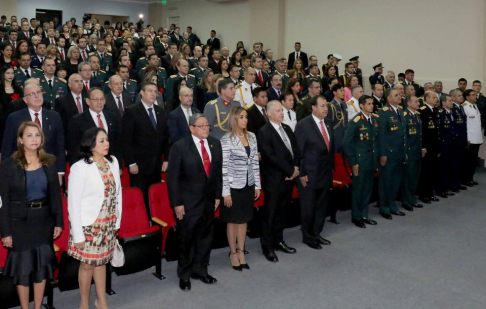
[(378, 101), (257, 114), (213, 41), (316, 145), (94, 116), (116, 100), (49, 121), (214, 58), (50, 39), (73, 103), (19, 104), (274, 92), (194, 180), (166, 60), (178, 119), (297, 54), (261, 77), (86, 73), (279, 167), (26, 33), (145, 141)]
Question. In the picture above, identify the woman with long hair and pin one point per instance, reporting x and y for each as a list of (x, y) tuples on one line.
[(236, 58), (351, 80), (206, 51), (65, 32), (223, 68), (22, 47), (53, 52), (212, 92), (203, 87), (9, 91), (173, 65), (72, 61), (240, 47), (185, 51), (38, 31), (110, 45), (329, 71), (6, 55), (31, 215), (241, 183), (299, 70), (118, 30), (293, 87)]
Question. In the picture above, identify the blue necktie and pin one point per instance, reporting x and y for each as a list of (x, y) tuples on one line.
[(152, 118)]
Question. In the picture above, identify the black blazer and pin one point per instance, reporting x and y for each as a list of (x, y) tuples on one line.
[(277, 162), (266, 80), (142, 144), (111, 104), (81, 123), (92, 84), (19, 104), (187, 181), (316, 160), (53, 133), (214, 45), (213, 66), (14, 195), (272, 94), (377, 104), (255, 119), (67, 109), (47, 41), (303, 57), (23, 37), (177, 123), (165, 61)]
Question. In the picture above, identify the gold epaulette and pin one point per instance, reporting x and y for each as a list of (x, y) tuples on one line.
[(91, 54), (39, 70), (356, 119), (421, 98), (350, 102), (109, 54), (417, 112), (464, 104), (385, 108), (212, 102), (161, 68), (305, 98), (62, 80), (404, 113), (193, 69), (376, 115), (287, 75), (102, 71), (143, 58), (133, 80), (190, 75), (173, 76), (441, 110), (400, 107), (423, 107), (107, 82)]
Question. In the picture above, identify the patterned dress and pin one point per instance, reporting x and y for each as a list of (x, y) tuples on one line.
[(100, 236)]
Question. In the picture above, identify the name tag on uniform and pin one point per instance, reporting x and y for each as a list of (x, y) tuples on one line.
[(222, 112)]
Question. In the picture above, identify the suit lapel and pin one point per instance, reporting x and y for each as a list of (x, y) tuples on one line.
[(317, 130), (144, 114), (195, 151), (279, 138)]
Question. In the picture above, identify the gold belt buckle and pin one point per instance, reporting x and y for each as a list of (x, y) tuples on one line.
[(36, 205)]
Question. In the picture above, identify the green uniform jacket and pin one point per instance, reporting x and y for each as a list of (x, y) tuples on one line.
[(391, 134), (107, 63), (191, 83), (59, 89), (20, 77), (360, 142), (414, 135), (100, 76), (304, 108)]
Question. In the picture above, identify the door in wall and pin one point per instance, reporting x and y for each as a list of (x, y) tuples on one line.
[(48, 15)]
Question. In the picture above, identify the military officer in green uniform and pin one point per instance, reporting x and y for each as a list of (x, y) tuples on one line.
[(202, 66), (414, 153), (304, 108), (129, 85), (183, 68), (280, 67), (153, 61), (392, 153), (24, 70), (360, 145), (106, 59), (52, 86), (217, 111), (338, 116), (97, 75)]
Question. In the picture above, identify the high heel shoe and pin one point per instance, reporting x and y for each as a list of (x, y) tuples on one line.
[(96, 304), (238, 267), (245, 266)]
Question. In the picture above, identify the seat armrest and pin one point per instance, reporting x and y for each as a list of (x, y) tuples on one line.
[(159, 222)]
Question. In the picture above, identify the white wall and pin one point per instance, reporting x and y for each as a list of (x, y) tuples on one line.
[(77, 8), (440, 40)]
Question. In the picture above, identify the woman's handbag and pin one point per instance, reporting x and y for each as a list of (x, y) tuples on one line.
[(118, 255)]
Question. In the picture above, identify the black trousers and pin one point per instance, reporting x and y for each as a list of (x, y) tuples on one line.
[(428, 175), (195, 235), (276, 208), (457, 164), (313, 208), (143, 182), (470, 161)]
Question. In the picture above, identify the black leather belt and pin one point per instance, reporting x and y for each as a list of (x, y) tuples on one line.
[(37, 204)]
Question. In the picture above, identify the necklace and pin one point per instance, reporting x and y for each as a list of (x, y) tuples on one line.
[(240, 135)]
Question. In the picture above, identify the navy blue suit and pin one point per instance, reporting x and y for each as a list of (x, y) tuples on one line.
[(53, 132), (272, 94), (35, 62), (177, 123)]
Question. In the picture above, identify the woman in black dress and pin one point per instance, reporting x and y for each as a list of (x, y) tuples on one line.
[(72, 61), (241, 183), (31, 215), (9, 91)]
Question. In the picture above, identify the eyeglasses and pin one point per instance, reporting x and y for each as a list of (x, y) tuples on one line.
[(36, 93), (97, 100), (204, 126), (187, 95)]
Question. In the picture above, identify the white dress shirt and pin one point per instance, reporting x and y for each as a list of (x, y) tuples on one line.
[(292, 121), (28, 70), (197, 141), (148, 113), (474, 135), (94, 115), (116, 100), (80, 100), (32, 115), (185, 111)]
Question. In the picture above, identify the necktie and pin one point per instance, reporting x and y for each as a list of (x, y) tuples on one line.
[(278, 92), (26, 34), (120, 106), (297, 56), (188, 115), (94, 74), (62, 54), (50, 83), (13, 44), (260, 77), (324, 134), (290, 117), (152, 117), (78, 105), (264, 115), (369, 120), (206, 160), (37, 118), (285, 140), (84, 55), (86, 85), (100, 123), (52, 41), (102, 56), (27, 73)]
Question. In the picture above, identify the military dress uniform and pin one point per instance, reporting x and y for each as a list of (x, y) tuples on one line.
[(360, 147), (130, 87), (59, 89), (414, 158), (352, 108), (192, 62), (343, 79), (35, 62), (243, 94), (198, 73), (376, 78), (161, 76), (391, 143), (430, 141), (106, 62), (305, 83), (338, 117), (387, 85), (217, 112), (20, 76), (304, 108), (99, 76), (446, 136), (459, 143), (190, 83)]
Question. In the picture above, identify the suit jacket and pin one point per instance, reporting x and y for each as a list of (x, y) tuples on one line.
[(19, 104), (377, 104), (316, 160), (14, 195), (266, 80), (272, 94), (255, 119), (213, 65), (81, 123), (86, 195), (47, 41), (303, 57), (177, 123), (187, 181), (67, 109), (111, 104), (53, 132), (165, 61), (143, 144), (277, 161), (213, 45), (23, 37), (92, 84)]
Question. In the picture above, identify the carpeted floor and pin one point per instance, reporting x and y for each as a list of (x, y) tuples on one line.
[(431, 258)]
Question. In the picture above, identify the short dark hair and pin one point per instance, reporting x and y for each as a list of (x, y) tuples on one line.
[(443, 97), (312, 65), (476, 82), (12, 31), (121, 66), (374, 86), (401, 75), (213, 31), (283, 96), (462, 79), (88, 143), (336, 87), (94, 89), (313, 101), (330, 79), (311, 81), (363, 98), (467, 93), (151, 56), (256, 92), (388, 92), (348, 64), (297, 43), (144, 85), (224, 84), (189, 27), (408, 98), (409, 71)]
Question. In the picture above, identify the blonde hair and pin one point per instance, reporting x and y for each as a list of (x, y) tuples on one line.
[(213, 87)]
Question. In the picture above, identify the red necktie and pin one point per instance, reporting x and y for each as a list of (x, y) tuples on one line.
[(52, 41), (324, 134), (87, 87), (78, 105), (37, 119), (100, 123), (84, 55), (206, 160), (260, 77), (62, 54)]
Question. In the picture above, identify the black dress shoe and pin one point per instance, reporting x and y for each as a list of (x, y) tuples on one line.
[(369, 221), (425, 200), (456, 190), (418, 205), (434, 199), (270, 255), (469, 184), (185, 285), (387, 216), (313, 245), (333, 220), (282, 246), (205, 279), (323, 241), (398, 213), (462, 188), (449, 193), (443, 195), (409, 208), (359, 223), (475, 183)]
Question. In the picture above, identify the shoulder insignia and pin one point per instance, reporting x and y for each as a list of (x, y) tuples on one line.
[(173, 76), (464, 104), (193, 69), (400, 107), (107, 82), (212, 102), (375, 115), (385, 108), (91, 53), (144, 68), (237, 86), (417, 112), (18, 72), (441, 110), (133, 80), (350, 102), (305, 98), (190, 75), (423, 107), (62, 80), (102, 71), (142, 58), (39, 70), (109, 54), (356, 119), (287, 75), (161, 68), (404, 113), (421, 98)]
